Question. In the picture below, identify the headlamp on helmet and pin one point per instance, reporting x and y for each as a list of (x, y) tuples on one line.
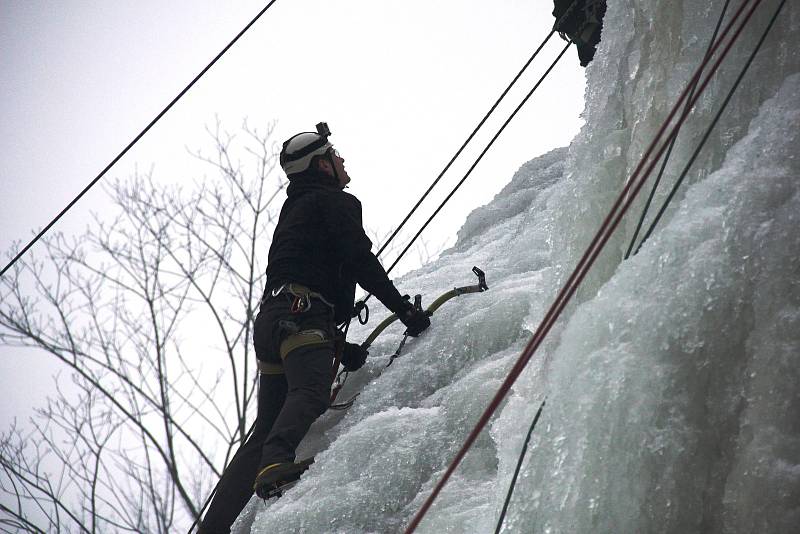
[(300, 149)]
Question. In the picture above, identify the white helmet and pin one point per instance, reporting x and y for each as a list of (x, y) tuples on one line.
[(300, 149)]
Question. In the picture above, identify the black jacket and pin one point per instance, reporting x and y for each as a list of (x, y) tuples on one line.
[(319, 242), (581, 21)]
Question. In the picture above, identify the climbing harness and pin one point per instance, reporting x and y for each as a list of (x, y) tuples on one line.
[(623, 202), (300, 296), (341, 378), (135, 140)]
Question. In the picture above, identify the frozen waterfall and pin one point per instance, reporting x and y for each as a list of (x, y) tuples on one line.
[(671, 380)]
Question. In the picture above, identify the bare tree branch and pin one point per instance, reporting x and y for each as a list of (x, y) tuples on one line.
[(124, 444)]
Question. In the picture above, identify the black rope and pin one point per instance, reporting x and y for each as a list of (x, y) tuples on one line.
[(214, 491), (486, 149), (480, 157), (658, 216), (458, 152), (686, 109), (710, 127), (519, 467), (480, 124), (135, 140)]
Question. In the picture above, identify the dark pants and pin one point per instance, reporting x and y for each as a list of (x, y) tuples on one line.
[(288, 403)]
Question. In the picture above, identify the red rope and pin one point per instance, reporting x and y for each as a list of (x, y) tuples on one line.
[(609, 225)]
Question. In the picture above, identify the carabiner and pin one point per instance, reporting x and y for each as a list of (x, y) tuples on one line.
[(300, 304)]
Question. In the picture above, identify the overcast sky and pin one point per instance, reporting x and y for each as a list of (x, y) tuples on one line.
[(400, 83)]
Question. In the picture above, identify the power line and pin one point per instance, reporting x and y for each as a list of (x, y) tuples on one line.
[(135, 140)]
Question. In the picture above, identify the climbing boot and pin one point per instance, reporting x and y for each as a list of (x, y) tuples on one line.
[(273, 477)]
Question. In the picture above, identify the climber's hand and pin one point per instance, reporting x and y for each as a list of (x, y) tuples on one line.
[(416, 320), (353, 357)]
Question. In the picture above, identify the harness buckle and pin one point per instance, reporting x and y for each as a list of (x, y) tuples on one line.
[(300, 304)]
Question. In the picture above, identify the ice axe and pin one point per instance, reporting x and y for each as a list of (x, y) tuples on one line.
[(341, 378)]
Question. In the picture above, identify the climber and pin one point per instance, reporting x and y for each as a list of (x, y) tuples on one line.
[(582, 22), (319, 252)]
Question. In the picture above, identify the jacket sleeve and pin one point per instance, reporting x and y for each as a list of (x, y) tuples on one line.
[(356, 250)]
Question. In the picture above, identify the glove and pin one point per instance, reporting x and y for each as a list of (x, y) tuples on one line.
[(353, 357), (416, 320)]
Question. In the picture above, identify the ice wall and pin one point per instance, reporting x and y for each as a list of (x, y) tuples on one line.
[(671, 382)]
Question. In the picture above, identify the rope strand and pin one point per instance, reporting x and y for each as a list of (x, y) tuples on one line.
[(657, 181), (480, 157), (609, 225), (480, 124), (461, 149), (708, 131), (135, 140), (513, 483)]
